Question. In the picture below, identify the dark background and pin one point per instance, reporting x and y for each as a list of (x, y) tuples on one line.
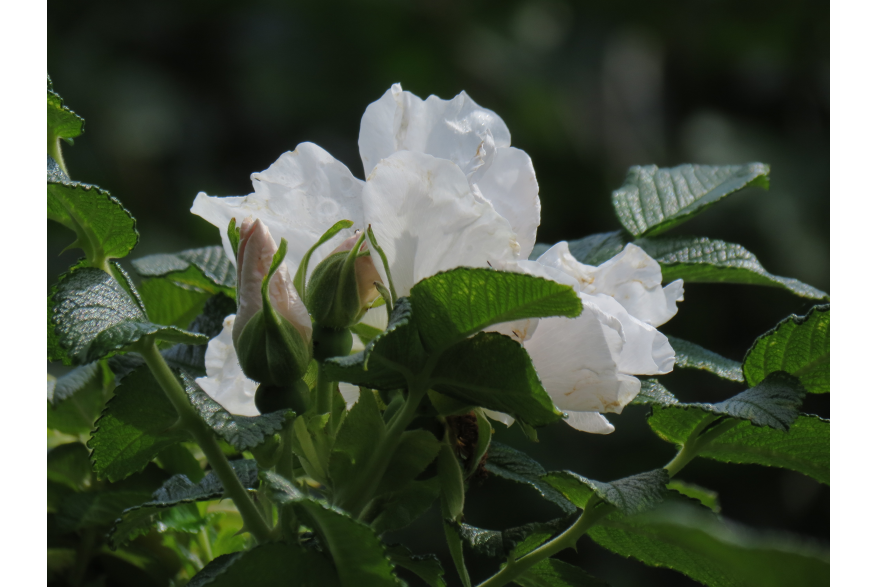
[(181, 97)]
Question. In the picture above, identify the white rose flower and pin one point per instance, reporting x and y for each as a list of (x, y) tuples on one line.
[(225, 381), (586, 364), (445, 189)]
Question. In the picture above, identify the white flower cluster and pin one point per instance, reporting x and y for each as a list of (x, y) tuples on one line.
[(444, 188)]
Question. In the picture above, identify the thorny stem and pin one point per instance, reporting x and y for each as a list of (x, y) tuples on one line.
[(194, 425)]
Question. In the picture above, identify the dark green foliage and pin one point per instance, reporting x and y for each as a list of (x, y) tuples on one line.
[(456, 304), (707, 260), (95, 316), (798, 345), (509, 463), (654, 200)]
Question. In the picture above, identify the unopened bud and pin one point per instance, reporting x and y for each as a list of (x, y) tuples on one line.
[(342, 286), (272, 331)]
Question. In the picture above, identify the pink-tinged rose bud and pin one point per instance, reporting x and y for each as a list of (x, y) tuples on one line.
[(255, 253), (366, 274), (273, 344), (342, 286)]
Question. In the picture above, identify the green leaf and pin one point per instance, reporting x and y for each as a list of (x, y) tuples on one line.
[(95, 316), (391, 357), (207, 269), (509, 463), (493, 371), (651, 392), (177, 491), (804, 448), (178, 460), (707, 497), (597, 248), (96, 509), (416, 450), (774, 402), (358, 553), (356, 441), (398, 508), (104, 228), (425, 566), (269, 565), (453, 305), (652, 200), (69, 464), (693, 541), (77, 380), (134, 427), (242, 432), (365, 332), (693, 356), (512, 542), (166, 303), (186, 357), (797, 345), (706, 260), (630, 495), (77, 413), (62, 122), (551, 572)]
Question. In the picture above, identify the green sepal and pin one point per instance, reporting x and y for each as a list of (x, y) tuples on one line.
[(706, 260), (177, 491), (451, 479), (95, 317), (455, 304), (206, 269), (653, 200), (234, 236), (104, 228), (514, 465), (299, 280), (799, 345), (630, 495), (270, 349)]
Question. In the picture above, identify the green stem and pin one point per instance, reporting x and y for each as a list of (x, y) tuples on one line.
[(204, 542), (567, 539), (360, 492), (285, 468), (54, 150), (697, 441), (192, 423)]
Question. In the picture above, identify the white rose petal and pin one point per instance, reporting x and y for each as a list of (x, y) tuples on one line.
[(225, 381), (426, 219), (577, 362), (298, 198), (592, 422)]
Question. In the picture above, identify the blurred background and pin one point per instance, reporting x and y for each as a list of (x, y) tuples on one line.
[(182, 97)]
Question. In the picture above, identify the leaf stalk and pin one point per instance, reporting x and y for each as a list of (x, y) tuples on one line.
[(194, 425)]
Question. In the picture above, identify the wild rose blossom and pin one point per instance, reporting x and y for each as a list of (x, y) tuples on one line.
[(443, 189)]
